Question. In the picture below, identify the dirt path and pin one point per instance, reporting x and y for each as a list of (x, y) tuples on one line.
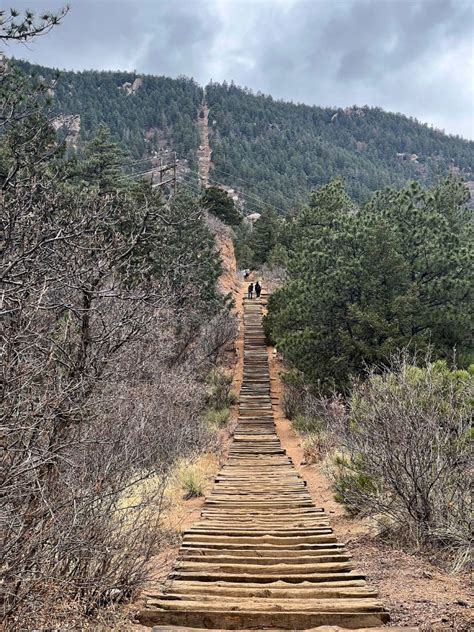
[(414, 591)]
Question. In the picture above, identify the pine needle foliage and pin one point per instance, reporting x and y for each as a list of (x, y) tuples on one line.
[(365, 282)]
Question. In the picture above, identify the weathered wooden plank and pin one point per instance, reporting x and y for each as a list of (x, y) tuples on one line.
[(227, 620), (331, 628), (261, 578), (356, 604)]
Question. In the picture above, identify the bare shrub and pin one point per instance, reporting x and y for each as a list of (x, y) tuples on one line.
[(312, 416), (274, 275), (203, 342), (218, 227), (69, 535), (309, 410), (294, 394), (111, 323), (406, 454)]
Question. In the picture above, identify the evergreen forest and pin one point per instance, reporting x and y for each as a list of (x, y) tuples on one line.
[(274, 152)]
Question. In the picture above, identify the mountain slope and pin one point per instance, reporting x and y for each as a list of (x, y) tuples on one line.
[(145, 112), (272, 150), (282, 150)]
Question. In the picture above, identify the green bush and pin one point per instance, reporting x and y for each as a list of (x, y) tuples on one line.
[(219, 392), (350, 476), (221, 205), (191, 480), (307, 425), (217, 418), (365, 283), (406, 450)]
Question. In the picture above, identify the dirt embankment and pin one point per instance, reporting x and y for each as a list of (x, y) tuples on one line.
[(228, 282)]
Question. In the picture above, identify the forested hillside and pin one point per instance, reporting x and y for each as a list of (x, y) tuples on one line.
[(282, 150), (150, 114), (270, 150)]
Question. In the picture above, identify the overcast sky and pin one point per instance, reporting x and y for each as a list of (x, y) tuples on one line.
[(410, 56)]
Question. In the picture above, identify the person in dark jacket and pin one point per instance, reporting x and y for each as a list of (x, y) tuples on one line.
[(250, 291), (258, 289)]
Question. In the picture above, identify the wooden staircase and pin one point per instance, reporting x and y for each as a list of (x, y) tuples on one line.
[(263, 556)]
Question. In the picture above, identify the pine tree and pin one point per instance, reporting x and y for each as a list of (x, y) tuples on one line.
[(365, 283), (102, 162), (264, 236), (220, 204)]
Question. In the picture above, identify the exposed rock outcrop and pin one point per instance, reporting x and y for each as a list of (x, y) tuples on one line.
[(71, 124), (470, 186), (131, 88)]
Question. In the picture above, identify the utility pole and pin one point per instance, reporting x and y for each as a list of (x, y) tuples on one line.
[(174, 173), (162, 169)]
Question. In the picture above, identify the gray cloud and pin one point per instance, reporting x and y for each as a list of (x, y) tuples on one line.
[(413, 56)]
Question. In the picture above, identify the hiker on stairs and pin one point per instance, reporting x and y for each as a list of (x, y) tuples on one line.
[(250, 291), (258, 289)]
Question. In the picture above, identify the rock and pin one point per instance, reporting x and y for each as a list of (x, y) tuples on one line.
[(137, 84), (71, 123), (427, 575), (131, 88), (461, 602)]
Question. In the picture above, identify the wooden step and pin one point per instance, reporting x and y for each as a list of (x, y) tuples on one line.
[(256, 619)]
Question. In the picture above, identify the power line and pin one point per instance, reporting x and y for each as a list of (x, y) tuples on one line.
[(194, 186), (134, 176), (140, 160), (254, 198), (153, 170), (189, 182), (232, 176), (214, 168), (247, 197), (189, 188)]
